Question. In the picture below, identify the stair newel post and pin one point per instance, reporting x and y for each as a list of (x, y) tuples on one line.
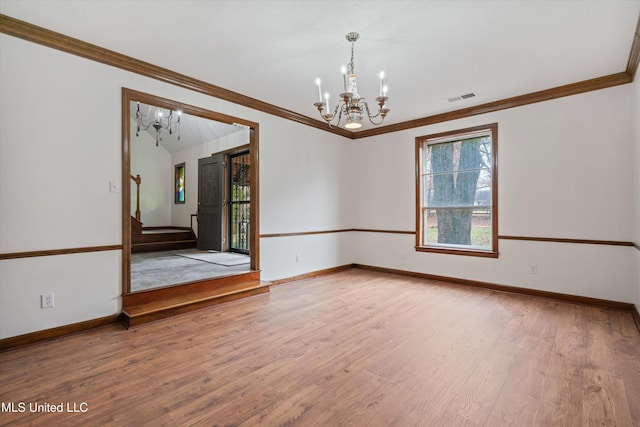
[(137, 180)]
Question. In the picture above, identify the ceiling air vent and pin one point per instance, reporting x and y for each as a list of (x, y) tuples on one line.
[(461, 97)]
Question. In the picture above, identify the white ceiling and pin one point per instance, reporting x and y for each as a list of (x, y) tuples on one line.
[(194, 130), (273, 50)]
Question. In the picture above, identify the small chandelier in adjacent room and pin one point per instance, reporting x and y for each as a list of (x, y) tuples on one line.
[(352, 105), (172, 124)]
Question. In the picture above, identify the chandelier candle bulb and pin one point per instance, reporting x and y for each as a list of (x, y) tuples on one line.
[(319, 90), (353, 84), (326, 100), (344, 78), (381, 83)]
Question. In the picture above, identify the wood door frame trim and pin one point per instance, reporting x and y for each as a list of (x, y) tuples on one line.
[(130, 95)]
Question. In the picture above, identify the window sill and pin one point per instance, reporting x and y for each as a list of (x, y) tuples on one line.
[(454, 251)]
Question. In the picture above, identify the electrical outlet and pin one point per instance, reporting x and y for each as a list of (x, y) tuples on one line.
[(47, 300), (533, 269), (297, 258)]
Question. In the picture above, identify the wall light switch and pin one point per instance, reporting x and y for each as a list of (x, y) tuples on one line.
[(114, 187)]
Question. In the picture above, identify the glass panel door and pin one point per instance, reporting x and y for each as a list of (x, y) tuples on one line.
[(240, 193)]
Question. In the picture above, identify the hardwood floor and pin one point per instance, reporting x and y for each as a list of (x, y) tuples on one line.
[(355, 348)]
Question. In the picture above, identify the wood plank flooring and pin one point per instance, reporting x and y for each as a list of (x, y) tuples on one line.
[(355, 348)]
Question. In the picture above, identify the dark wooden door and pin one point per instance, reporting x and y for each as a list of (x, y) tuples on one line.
[(211, 202)]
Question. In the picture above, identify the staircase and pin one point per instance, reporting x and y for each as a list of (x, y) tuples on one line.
[(151, 239), (147, 306)]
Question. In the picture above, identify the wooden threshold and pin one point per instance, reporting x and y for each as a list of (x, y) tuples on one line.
[(148, 306)]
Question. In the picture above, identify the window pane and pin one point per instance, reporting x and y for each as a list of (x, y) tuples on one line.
[(430, 221), (441, 158), (240, 177), (468, 228), (481, 228)]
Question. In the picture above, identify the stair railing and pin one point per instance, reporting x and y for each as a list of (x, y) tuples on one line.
[(137, 180)]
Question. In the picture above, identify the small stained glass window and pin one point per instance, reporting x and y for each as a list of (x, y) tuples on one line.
[(179, 184)]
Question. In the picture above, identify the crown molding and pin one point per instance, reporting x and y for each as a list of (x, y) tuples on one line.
[(634, 53), (503, 104), (26, 31), (33, 33)]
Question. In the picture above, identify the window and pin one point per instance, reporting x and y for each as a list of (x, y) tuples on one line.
[(456, 192), (179, 184)]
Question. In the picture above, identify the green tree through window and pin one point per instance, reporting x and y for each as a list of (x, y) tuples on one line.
[(457, 210)]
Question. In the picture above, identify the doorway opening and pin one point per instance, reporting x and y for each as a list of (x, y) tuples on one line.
[(224, 201), (234, 230)]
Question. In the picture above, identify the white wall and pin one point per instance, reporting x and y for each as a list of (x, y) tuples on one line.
[(60, 146), (635, 88), (58, 151), (154, 166), (564, 172), (304, 182)]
